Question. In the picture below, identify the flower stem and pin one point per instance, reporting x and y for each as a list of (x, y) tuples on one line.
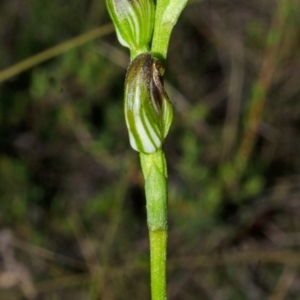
[(158, 247), (155, 174)]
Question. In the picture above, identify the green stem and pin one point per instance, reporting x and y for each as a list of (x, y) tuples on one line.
[(158, 247), (155, 174)]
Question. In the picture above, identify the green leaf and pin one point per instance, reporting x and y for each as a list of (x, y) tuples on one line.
[(167, 14)]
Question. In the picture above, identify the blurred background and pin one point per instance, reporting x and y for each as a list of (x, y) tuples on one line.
[(72, 205)]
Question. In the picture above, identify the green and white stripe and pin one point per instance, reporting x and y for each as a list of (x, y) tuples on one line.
[(134, 21), (148, 111)]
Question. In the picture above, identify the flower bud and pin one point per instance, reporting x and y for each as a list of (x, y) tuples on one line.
[(134, 21), (148, 111)]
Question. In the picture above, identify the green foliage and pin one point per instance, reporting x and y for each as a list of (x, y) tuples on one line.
[(166, 16)]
